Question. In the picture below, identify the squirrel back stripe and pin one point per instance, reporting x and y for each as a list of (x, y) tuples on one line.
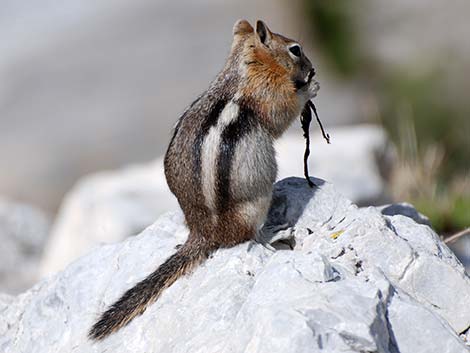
[(230, 137), (211, 149), (208, 121)]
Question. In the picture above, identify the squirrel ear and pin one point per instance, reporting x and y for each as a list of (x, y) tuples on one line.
[(263, 32), (242, 27)]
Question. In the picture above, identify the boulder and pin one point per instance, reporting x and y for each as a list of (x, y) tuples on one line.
[(108, 207), (355, 280), (23, 234)]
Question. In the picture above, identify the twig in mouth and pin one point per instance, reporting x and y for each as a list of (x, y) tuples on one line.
[(305, 119)]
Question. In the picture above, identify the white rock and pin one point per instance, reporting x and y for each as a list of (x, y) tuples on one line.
[(106, 207), (23, 233), (413, 336), (110, 206), (409, 254), (344, 288)]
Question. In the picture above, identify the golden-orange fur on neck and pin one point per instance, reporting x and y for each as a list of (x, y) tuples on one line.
[(268, 83)]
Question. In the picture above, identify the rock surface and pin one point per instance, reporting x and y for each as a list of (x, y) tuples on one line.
[(108, 207), (23, 234), (356, 281)]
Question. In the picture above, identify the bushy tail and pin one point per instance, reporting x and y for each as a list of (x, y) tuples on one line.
[(135, 300)]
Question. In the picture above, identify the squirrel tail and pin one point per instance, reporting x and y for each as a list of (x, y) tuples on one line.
[(134, 302)]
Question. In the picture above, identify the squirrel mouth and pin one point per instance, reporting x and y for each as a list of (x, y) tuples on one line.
[(299, 84)]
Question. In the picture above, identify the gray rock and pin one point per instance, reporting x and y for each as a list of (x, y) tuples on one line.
[(413, 336), (404, 209), (23, 233), (356, 281)]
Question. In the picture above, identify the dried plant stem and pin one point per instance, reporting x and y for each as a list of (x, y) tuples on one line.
[(456, 236), (305, 119), (325, 135)]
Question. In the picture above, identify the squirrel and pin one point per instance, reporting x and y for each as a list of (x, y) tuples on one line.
[(220, 163)]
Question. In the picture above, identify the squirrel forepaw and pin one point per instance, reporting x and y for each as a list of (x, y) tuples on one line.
[(313, 89), (272, 233)]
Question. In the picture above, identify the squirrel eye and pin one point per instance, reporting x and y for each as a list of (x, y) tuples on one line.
[(295, 49)]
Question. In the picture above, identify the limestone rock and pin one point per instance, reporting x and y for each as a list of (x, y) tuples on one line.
[(23, 233), (356, 281)]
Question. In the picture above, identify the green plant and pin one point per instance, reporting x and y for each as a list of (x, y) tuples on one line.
[(417, 178), (435, 120)]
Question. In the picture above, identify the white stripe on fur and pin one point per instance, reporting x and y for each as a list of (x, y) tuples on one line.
[(210, 153)]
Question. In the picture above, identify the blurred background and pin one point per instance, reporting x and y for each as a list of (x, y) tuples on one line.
[(92, 86)]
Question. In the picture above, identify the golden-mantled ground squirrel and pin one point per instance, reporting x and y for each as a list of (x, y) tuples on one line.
[(221, 162)]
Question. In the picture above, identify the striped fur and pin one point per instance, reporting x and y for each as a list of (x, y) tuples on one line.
[(212, 150), (209, 121), (231, 135)]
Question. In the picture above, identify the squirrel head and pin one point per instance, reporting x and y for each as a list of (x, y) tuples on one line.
[(274, 73), (273, 59)]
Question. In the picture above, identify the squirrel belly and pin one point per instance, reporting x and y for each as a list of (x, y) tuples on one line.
[(220, 163)]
